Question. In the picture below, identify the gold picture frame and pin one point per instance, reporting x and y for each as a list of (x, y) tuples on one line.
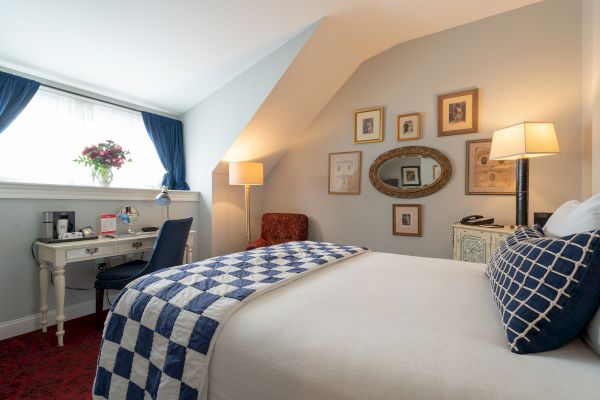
[(488, 177), (368, 125), (407, 220), (458, 113), (344, 172), (408, 126)]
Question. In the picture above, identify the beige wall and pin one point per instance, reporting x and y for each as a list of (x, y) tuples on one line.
[(527, 65), (591, 97)]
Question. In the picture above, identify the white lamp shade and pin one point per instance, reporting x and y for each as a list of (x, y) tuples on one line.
[(246, 173), (524, 140)]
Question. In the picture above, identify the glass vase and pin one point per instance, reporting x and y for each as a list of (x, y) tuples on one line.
[(105, 177)]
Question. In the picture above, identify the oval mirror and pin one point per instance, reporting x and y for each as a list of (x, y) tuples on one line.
[(409, 172)]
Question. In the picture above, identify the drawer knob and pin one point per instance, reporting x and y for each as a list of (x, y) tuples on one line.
[(91, 250), (136, 245)]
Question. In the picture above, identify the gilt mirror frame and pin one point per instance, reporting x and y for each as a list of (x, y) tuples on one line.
[(411, 192)]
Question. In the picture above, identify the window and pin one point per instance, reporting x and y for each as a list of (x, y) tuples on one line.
[(41, 144)]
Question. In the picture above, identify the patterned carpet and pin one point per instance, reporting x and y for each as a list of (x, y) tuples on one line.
[(32, 366)]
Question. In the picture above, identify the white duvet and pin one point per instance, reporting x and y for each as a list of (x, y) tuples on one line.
[(397, 327)]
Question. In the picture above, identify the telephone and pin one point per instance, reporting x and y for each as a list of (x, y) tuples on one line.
[(88, 233), (476, 220)]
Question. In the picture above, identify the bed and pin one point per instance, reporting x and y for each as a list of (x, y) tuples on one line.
[(365, 325), (417, 328)]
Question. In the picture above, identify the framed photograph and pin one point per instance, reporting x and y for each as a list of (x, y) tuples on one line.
[(406, 220), (344, 172), (436, 170), (411, 176), (368, 125), (484, 176), (409, 127), (458, 113)]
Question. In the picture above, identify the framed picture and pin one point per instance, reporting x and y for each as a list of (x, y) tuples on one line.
[(344, 172), (411, 176), (368, 125), (435, 171), (406, 220), (409, 126), (484, 176), (458, 113)]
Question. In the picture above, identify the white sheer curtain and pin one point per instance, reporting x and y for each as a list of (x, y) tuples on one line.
[(41, 144)]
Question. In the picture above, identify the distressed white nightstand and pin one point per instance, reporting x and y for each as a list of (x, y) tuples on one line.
[(477, 244)]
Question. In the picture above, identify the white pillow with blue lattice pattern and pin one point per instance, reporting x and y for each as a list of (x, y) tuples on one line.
[(546, 288)]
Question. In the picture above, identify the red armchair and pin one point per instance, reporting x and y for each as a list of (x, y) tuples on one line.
[(280, 228)]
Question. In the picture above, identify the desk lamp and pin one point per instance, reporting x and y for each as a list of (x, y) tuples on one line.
[(164, 199)]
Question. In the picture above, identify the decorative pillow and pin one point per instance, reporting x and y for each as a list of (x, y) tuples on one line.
[(575, 217), (547, 289)]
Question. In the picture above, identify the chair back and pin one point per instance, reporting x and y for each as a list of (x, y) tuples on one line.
[(284, 227), (169, 247)]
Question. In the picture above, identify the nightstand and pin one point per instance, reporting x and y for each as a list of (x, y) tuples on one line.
[(477, 244)]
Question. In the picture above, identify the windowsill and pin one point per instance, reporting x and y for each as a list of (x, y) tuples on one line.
[(12, 190)]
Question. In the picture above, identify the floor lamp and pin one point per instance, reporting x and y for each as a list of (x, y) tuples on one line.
[(521, 142), (246, 174)]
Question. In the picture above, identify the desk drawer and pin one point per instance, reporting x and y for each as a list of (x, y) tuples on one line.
[(90, 252), (136, 245)]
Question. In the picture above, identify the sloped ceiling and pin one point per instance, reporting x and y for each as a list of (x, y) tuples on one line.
[(169, 55)]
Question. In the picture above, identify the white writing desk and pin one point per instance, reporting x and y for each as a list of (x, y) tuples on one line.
[(60, 254)]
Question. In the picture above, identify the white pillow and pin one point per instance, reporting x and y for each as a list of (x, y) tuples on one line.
[(574, 217), (592, 332)]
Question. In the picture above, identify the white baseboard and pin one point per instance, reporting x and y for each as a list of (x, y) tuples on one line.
[(32, 323)]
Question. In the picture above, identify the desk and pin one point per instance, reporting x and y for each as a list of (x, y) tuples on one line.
[(60, 254)]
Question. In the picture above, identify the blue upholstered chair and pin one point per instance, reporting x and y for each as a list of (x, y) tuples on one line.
[(168, 251)]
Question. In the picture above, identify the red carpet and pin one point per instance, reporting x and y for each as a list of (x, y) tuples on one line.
[(32, 366)]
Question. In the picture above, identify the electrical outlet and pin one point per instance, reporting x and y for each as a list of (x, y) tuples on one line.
[(100, 265)]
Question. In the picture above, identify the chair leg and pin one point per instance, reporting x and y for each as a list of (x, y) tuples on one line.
[(99, 304)]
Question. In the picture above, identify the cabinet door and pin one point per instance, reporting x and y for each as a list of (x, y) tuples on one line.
[(497, 240), (474, 247)]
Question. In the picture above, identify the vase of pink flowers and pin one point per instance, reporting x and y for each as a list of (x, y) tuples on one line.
[(102, 158)]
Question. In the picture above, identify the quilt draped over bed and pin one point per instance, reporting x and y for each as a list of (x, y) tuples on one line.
[(161, 329)]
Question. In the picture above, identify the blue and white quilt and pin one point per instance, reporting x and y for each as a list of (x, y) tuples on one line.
[(161, 329)]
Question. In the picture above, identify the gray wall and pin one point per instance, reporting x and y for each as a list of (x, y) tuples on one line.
[(212, 126), (19, 227), (527, 65)]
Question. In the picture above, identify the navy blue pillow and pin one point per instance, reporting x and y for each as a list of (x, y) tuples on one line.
[(546, 288)]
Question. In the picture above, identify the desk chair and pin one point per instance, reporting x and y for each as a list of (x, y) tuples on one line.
[(168, 251)]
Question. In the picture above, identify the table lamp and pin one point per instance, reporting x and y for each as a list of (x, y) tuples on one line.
[(246, 174), (164, 199), (521, 142)]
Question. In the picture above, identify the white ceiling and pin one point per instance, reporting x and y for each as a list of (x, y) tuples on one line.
[(169, 55)]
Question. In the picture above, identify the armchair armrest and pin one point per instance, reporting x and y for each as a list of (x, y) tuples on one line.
[(256, 244)]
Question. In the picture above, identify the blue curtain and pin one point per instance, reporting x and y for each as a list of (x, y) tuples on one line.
[(15, 94), (167, 136)]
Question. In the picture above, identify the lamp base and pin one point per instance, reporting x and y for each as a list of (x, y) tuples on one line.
[(522, 192)]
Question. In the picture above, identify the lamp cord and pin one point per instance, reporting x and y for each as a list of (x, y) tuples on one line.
[(51, 275)]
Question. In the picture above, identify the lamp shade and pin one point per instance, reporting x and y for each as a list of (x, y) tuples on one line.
[(246, 173), (163, 199), (524, 140)]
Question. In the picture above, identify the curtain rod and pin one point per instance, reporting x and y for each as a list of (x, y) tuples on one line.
[(87, 94), (91, 97)]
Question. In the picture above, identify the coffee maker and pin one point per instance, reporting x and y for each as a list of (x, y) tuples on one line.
[(55, 223)]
